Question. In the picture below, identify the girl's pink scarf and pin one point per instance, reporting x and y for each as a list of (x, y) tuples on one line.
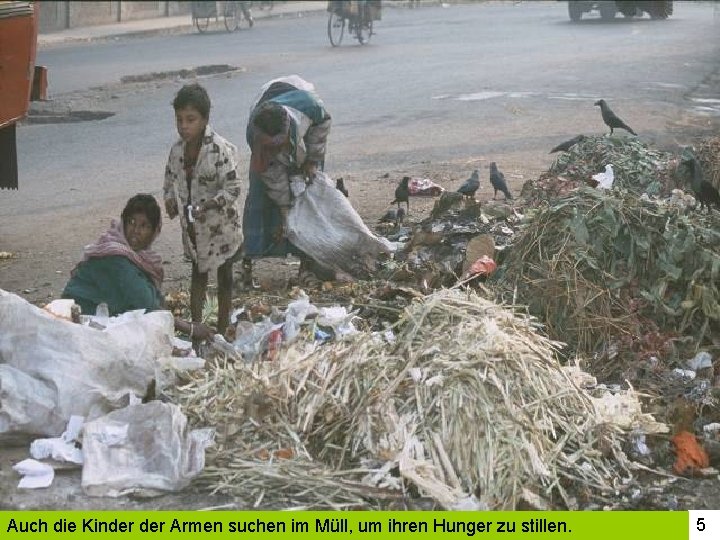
[(113, 242)]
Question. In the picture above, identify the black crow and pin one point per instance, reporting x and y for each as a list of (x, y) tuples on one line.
[(471, 185), (340, 185), (705, 192), (611, 119), (497, 179), (402, 193), (564, 147)]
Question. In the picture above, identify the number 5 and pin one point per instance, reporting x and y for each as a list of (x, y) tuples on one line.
[(700, 526)]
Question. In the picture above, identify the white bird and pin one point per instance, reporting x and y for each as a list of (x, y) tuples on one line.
[(605, 179)]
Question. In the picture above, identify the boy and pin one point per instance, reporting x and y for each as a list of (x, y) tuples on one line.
[(202, 187)]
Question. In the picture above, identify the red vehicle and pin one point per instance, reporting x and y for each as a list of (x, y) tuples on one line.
[(18, 44)]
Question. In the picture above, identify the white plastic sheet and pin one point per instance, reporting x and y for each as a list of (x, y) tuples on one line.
[(324, 225), (34, 474), (52, 369), (142, 449)]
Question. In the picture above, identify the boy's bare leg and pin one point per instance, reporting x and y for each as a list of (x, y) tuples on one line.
[(247, 273), (198, 289), (225, 290)]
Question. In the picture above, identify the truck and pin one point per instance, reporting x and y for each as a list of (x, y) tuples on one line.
[(657, 9), (18, 46)]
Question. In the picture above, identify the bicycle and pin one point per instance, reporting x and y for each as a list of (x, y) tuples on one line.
[(353, 14), (203, 11)]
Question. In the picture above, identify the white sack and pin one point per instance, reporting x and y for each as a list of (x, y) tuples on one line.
[(27, 405), (141, 449), (324, 225), (87, 371)]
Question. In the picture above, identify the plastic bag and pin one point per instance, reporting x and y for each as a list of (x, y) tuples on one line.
[(296, 313), (89, 372), (324, 225), (251, 340), (27, 405), (142, 449)]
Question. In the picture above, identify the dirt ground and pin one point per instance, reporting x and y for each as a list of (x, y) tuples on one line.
[(370, 193)]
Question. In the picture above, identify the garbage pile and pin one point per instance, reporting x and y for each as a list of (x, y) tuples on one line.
[(81, 385), (708, 153), (637, 167), (464, 404), (441, 249), (384, 394), (598, 268)]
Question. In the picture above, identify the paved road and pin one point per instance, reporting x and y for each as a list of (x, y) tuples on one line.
[(467, 83)]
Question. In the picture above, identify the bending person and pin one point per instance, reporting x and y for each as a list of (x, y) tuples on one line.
[(122, 271), (287, 133)]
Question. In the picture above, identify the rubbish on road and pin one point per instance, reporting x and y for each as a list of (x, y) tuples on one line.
[(53, 369), (143, 449), (251, 339), (688, 374), (339, 319), (353, 411), (605, 179), (61, 308), (27, 404), (481, 246), (702, 360), (639, 445), (444, 246), (169, 370), (295, 315), (637, 168), (219, 344), (691, 457), (34, 474), (420, 187), (484, 266), (708, 153), (63, 448), (636, 268)]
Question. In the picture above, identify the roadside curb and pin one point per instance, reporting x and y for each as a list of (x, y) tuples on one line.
[(50, 42)]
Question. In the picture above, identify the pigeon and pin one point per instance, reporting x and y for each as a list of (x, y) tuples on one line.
[(705, 192), (393, 216), (402, 193), (605, 179), (497, 179), (471, 185), (611, 119), (565, 146), (340, 185), (390, 216)]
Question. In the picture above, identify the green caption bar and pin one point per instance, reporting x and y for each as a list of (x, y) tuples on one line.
[(336, 525)]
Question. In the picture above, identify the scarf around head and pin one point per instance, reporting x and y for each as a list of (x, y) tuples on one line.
[(265, 147), (113, 243)]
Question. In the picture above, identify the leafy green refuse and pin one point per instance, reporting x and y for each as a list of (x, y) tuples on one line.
[(595, 266), (637, 167)]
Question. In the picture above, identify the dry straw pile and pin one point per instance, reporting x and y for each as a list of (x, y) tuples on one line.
[(467, 405)]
